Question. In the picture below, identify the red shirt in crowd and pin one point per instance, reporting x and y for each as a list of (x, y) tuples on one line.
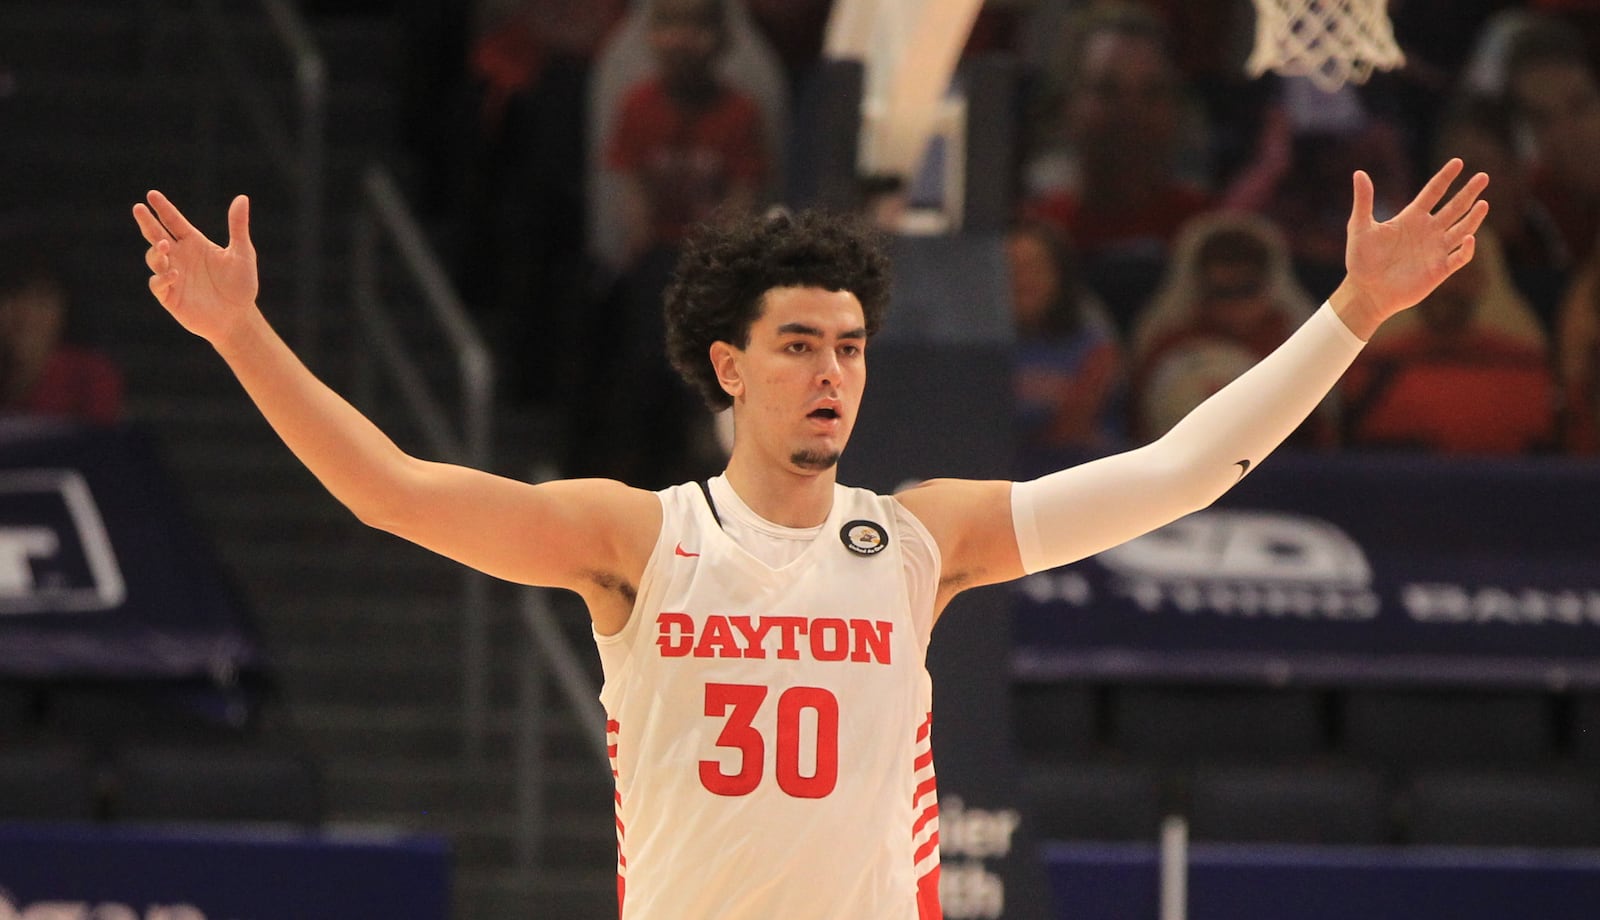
[(687, 159), (1479, 393), (77, 383), (1097, 232)]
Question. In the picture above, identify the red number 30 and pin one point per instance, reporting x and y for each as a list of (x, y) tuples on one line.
[(740, 733)]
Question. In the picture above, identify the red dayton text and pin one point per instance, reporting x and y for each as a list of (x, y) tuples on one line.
[(824, 638)]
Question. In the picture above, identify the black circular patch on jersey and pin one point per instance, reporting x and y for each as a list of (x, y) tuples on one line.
[(864, 538)]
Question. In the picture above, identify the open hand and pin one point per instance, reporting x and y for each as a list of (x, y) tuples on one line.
[(1393, 265), (206, 288)]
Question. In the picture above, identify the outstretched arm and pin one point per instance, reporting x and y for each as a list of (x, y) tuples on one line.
[(507, 528), (998, 531)]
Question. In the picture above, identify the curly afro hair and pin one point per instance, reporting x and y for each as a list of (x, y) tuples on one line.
[(726, 270)]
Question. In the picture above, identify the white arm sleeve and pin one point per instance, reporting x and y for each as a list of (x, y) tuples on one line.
[(1075, 513)]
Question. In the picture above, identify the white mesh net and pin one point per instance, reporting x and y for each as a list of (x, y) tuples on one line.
[(1331, 42)]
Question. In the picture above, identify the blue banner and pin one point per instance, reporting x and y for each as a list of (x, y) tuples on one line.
[(122, 873), (101, 574), (1252, 882), (1342, 569)]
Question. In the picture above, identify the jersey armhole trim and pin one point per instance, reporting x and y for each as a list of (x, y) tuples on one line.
[(911, 522), (629, 629)]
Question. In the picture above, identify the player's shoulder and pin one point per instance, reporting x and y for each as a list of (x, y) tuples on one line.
[(926, 489), (607, 504), (953, 501)]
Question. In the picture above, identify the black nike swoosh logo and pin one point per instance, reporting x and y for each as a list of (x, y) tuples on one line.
[(1244, 467)]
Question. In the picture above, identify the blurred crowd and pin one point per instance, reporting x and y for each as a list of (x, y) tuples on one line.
[(48, 367), (1175, 219)]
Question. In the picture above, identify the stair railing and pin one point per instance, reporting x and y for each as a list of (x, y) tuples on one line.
[(384, 222), (297, 151), (545, 652)]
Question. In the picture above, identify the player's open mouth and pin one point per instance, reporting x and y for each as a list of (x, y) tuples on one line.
[(825, 420)]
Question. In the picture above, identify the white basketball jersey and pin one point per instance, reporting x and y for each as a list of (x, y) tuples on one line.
[(769, 727)]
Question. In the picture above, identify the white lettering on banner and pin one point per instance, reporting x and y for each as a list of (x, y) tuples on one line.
[(1243, 564), (1246, 600), (1222, 598), (18, 546), (969, 891), (77, 532), (1268, 546), (975, 832), (1452, 603), (1067, 586), (85, 910)]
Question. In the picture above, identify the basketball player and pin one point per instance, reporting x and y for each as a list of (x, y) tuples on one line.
[(763, 633)]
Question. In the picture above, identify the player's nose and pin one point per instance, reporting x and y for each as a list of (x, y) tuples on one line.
[(828, 371)]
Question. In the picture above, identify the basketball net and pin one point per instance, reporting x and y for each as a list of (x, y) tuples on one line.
[(1330, 42)]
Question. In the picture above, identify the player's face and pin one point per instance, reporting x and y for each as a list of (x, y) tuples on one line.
[(802, 374)]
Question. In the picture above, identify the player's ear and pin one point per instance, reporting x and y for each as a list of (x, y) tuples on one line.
[(725, 362)]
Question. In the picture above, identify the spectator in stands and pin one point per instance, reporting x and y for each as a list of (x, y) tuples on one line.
[(1228, 298), (1068, 361), (1466, 372), (1122, 121), (1555, 96), (41, 371), (1481, 132), (688, 144), (514, 53), (519, 190), (689, 148), (1483, 70), (1308, 141), (744, 62)]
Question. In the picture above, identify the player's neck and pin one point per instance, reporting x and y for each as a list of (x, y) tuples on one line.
[(780, 495)]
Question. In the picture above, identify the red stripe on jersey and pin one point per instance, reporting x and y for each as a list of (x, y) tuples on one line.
[(928, 907), (926, 786), (922, 760), (614, 727), (621, 886), (931, 812), (928, 846), (925, 728)]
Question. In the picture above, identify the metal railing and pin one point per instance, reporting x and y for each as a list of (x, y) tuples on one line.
[(545, 652), (384, 217), (297, 151)]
